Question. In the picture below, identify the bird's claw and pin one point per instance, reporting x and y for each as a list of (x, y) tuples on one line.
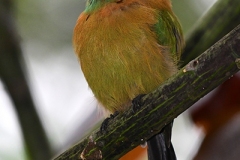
[(137, 102), (106, 121)]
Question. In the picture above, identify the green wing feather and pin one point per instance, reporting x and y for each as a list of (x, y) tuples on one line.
[(169, 33)]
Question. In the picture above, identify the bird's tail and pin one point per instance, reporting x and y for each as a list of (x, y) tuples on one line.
[(160, 146)]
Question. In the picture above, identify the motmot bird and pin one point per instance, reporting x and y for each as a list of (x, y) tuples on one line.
[(127, 48)]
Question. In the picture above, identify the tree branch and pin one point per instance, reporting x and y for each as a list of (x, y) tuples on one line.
[(219, 20), (161, 106), (15, 83)]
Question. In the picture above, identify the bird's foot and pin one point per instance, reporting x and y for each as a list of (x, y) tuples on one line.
[(137, 102), (106, 121)]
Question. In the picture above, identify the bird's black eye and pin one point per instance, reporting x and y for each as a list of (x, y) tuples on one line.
[(89, 2), (119, 1)]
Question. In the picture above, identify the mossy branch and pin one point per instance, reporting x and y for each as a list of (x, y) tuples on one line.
[(161, 106)]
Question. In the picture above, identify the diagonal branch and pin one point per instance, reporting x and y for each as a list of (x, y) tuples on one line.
[(217, 22), (161, 106)]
